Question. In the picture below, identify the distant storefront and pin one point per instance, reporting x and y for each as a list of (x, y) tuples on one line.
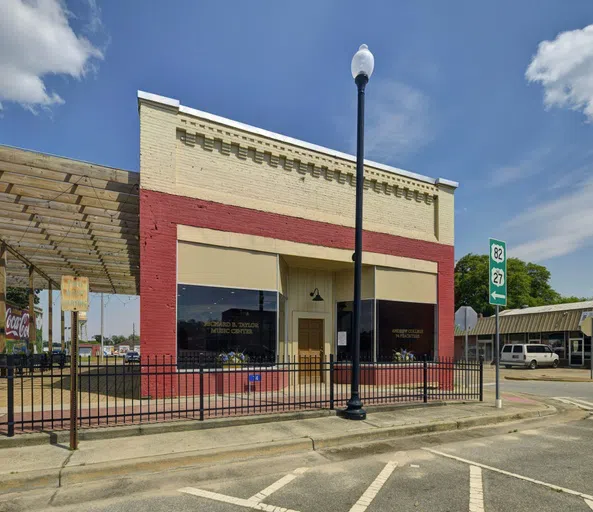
[(246, 241), (557, 326)]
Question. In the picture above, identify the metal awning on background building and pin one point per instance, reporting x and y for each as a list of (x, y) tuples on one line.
[(556, 318), (67, 217)]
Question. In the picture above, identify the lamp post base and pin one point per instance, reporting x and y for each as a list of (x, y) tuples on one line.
[(353, 411)]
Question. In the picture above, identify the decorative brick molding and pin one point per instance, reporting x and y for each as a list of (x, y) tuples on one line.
[(304, 162)]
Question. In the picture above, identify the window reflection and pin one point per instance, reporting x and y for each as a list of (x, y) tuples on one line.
[(404, 326), (367, 330), (212, 320)]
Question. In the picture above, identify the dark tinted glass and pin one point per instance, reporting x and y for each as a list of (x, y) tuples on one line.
[(518, 349), (404, 325), (213, 320), (507, 348), (367, 330)]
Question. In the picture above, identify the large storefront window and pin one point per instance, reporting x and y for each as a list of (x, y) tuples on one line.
[(212, 321), (404, 326), (367, 330)]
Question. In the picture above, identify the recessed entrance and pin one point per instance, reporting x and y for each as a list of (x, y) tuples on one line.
[(310, 349)]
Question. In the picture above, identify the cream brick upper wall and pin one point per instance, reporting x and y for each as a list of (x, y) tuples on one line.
[(194, 157)]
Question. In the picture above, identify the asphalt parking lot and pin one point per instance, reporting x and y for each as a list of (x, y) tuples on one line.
[(545, 468)]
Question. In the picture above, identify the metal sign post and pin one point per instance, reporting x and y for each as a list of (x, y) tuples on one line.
[(497, 295), (466, 319), (74, 382), (75, 298)]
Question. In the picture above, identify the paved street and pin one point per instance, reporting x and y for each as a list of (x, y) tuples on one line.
[(538, 466), (580, 393)]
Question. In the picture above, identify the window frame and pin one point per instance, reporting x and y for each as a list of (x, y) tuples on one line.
[(206, 364)]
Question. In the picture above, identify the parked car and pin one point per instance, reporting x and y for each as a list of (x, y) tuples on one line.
[(528, 356), (132, 357)]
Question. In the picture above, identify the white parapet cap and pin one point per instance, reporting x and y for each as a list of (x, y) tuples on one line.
[(170, 102)]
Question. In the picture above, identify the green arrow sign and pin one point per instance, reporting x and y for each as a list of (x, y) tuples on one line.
[(498, 273)]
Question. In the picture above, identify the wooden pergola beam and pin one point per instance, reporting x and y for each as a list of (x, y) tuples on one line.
[(67, 177), (33, 235), (33, 225), (76, 252), (53, 193), (89, 213), (24, 214), (76, 167), (66, 217), (28, 263)]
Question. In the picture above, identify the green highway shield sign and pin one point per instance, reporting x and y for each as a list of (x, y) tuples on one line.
[(498, 273)]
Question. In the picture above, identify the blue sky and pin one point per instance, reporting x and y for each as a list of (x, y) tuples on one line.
[(461, 90)]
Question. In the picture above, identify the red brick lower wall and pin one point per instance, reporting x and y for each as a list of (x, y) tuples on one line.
[(160, 214), (394, 375), (215, 382)]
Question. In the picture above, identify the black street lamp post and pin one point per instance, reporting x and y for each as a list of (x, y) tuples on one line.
[(363, 63)]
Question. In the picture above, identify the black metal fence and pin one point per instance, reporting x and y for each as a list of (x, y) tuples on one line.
[(36, 396)]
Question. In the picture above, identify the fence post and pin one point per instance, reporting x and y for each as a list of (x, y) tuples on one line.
[(481, 379), (331, 382), (425, 389), (201, 393), (10, 383)]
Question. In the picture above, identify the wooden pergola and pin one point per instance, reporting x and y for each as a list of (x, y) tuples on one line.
[(65, 217)]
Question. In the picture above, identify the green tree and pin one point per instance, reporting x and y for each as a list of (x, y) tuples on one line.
[(19, 297), (118, 339), (528, 284)]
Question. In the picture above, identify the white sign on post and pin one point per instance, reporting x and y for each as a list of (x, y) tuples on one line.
[(342, 338), (587, 326)]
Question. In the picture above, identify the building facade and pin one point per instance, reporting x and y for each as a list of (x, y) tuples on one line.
[(246, 243), (558, 326)]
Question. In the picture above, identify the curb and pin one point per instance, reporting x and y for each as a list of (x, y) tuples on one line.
[(119, 431), (69, 475), (551, 379)]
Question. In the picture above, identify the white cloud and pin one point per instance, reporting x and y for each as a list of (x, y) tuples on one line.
[(555, 228), (36, 40), (564, 67), (397, 120), (531, 165)]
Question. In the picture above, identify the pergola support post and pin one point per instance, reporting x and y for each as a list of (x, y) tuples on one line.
[(3, 253), (50, 317), (63, 331), (32, 323)]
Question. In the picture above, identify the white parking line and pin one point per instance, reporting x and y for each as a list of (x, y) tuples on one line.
[(262, 495), (590, 503), (233, 501), (581, 401), (369, 495), (587, 406), (476, 490), (508, 473)]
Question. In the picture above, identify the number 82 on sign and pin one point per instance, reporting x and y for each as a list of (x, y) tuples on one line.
[(498, 273)]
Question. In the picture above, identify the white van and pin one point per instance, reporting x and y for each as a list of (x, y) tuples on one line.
[(529, 356)]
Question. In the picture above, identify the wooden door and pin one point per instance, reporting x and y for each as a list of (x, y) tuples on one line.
[(310, 349)]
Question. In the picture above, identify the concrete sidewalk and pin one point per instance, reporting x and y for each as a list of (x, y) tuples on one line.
[(38, 466), (543, 374)]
